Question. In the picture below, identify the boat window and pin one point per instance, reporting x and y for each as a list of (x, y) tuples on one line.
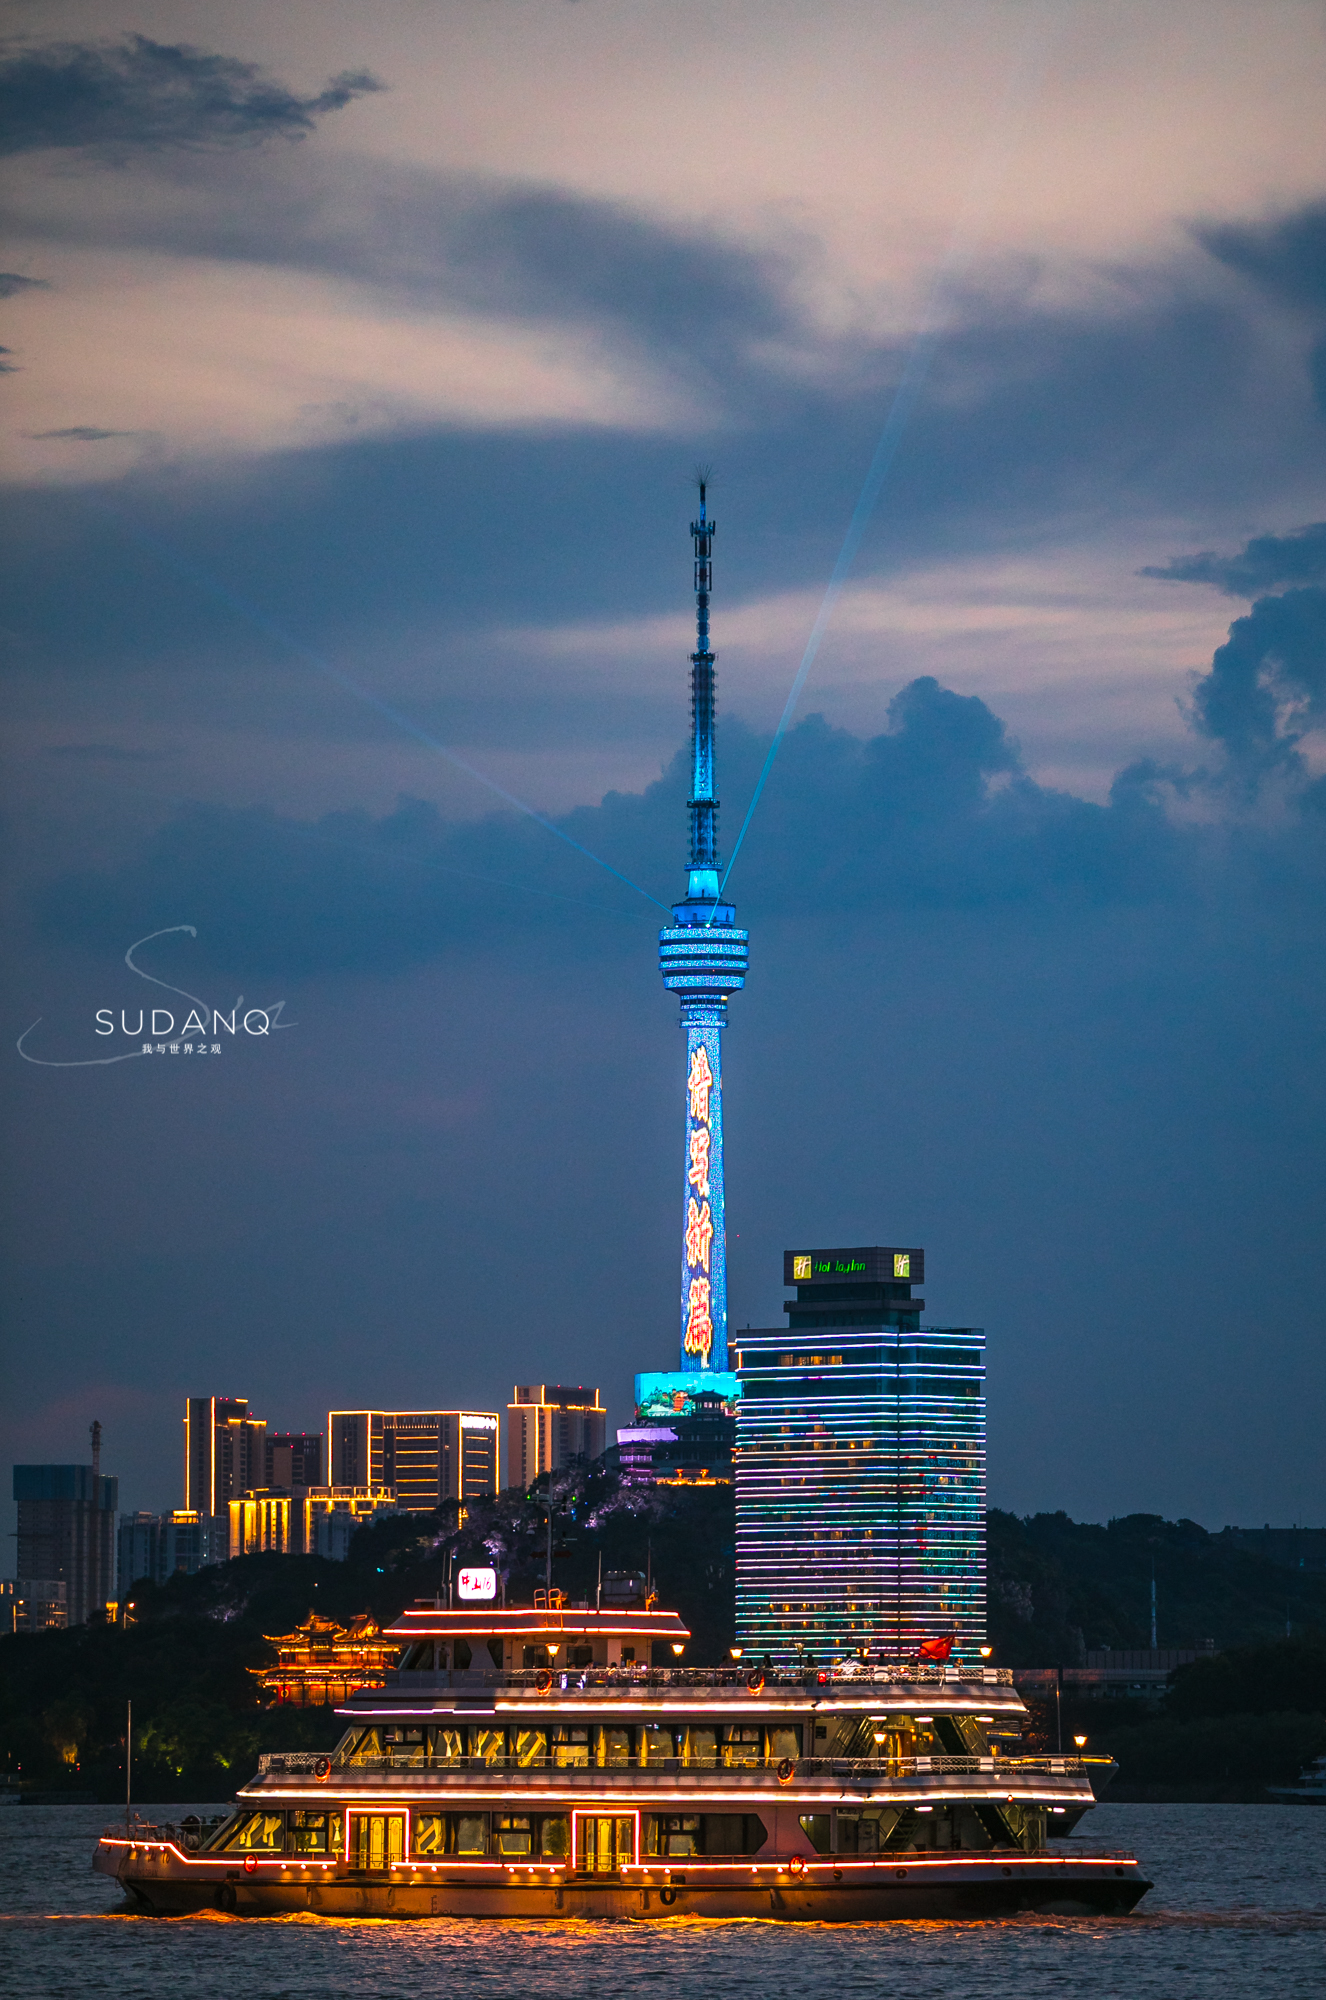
[(571, 1749), (537, 1656), (701, 1746), (257, 1833), (656, 1744), (470, 1833), (495, 1653), (417, 1657), (430, 1833), (488, 1745), (612, 1748), (628, 1656), (346, 1744), (448, 1746), (368, 1749), (514, 1835), (815, 1826), (555, 1838), (463, 1654), (580, 1656), (530, 1746), (314, 1832), (784, 1743), (742, 1750), (675, 1837), (404, 1746)]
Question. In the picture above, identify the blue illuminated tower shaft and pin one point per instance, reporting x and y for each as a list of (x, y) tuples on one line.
[(703, 957)]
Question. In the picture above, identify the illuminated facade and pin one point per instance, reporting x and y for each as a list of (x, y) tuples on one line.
[(428, 1456), (547, 1426), (225, 1452), (860, 1468), (703, 957), (321, 1662)]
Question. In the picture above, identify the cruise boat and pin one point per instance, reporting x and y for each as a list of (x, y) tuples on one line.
[(543, 1763)]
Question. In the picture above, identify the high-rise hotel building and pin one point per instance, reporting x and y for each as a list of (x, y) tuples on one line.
[(427, 1456), (860, 1468)]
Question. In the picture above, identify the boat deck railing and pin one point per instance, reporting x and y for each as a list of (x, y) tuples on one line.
[(737, 1680), (298, 1763)]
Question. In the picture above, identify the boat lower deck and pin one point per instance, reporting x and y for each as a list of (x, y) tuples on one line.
[(162, 1880)]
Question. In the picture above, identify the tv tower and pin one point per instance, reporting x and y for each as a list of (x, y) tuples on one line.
[(703, 957)]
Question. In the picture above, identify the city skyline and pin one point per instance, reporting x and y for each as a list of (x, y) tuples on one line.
[(355, 374)]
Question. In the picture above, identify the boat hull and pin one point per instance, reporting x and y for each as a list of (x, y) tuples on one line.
[(966, 1888)]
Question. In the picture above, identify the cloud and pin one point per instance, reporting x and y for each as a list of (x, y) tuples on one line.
[(82, 434), (1266, 690), (11, 283), (935, 814), (116, 99), (1286, 255), (1268, 562)]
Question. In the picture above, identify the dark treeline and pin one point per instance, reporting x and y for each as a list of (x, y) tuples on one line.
[(1058, 1588)]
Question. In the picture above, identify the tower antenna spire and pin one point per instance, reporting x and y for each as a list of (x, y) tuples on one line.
[(703, 957)]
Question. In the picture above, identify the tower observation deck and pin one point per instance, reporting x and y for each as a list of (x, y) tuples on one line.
[(703, 957)]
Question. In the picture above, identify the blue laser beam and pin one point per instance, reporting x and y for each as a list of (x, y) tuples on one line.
[(1024, 79), (269, 627)]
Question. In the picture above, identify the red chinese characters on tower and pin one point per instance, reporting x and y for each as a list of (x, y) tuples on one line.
[(699, 1334), (699, 1083), (699, 1322), (699, 1234), (698, 1175)]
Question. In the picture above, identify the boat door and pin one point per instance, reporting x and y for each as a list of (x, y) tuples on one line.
[(377, 1840), (606, 1842)]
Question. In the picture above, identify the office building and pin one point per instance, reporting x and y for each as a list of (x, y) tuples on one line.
[(331, 1516), (294, 1460), (547, 1426), (860, 1468), (225, 1452), (263, 1523), (155, 1547), (428, 1456), (66, 1535), (703, 958), (36, 1605)]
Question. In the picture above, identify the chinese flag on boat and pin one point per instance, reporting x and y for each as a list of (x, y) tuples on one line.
[(936, 1649)]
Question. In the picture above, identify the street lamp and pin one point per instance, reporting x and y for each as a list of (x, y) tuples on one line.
[(679, 1650), (986, 1652), (735, 1651), (1081, 1742)]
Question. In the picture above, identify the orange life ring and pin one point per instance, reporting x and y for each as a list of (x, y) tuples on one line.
[(322, 1770), (543, 1684), (250, 1864), (755, 1681), (797, 1865), (786, 1771)]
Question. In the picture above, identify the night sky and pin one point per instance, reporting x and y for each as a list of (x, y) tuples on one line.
[(356, 362)]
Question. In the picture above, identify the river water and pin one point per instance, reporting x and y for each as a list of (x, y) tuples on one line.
[(1238, 1909)]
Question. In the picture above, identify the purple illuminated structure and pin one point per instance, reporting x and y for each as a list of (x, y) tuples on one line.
[(703, 957)]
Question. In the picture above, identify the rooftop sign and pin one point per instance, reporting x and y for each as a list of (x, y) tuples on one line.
[(873, 1264)]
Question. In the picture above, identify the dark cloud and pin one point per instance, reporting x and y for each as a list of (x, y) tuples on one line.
[(935, 814), (1268, 562), (1287, 255), (82, 434), (11, 283), (1267, 685), (116, 99)]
